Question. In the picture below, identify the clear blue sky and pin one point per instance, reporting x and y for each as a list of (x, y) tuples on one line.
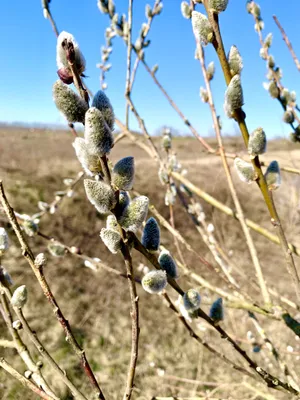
[(28, 67)]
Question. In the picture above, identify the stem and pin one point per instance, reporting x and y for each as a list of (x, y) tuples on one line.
[(25, 382), (129, 50), (245, 229), (38, 272)]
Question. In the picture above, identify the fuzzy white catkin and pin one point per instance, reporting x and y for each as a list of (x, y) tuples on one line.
[(61, 58), (154, 282), (257, 143), (19, 297), (244, 170), (100, 194), (134, 214), (191, 300), (272, 176), (3, 240), (202, 28), (103, 104), (97, 134), (217, 5), (123, 173), (168, 264), (111, 239), (89, 162), (151, 235), (185, 10), (235, 61), (233, 96), (68, 102)]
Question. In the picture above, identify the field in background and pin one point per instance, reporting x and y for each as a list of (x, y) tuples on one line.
[(33, 164)]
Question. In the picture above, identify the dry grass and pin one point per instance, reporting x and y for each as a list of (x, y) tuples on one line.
[(33, 164)]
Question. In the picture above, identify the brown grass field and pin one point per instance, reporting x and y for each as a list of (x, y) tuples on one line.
[(33, 164)]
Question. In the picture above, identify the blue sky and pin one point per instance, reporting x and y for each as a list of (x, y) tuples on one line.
[(28, 67)]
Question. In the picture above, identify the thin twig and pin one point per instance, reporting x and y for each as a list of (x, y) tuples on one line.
[(38, 272)]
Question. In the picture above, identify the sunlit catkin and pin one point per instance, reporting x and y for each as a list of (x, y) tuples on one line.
[(244, 170), (123, 174), (168, 264), (210, 70), (257, 143), (134, 214), (154, 282), (111, 239), (151, 235), (202, 28), (191, 300), (19, 297), (3, 241), (217, 6), (97, 133), (235, 61), (68, 102), (89, 162), (63, 42), (185, 10), (100, 194), (288, 117), (233, 96), (272, 176)]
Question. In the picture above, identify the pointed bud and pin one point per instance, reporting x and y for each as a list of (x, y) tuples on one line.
[(68, 102), (168, 264), (273, 90), (19, 297), (245, 170), (285, 96), (134, 214), (202, 28), (210, 70), (233, 95), (216, 312), (204, 95), (271, 62), (65, 75), (56, 249), (123, 174), (89, 162), (3, 241), (272, 176), (288, 117), (191, 300), (111, 239), (217, 6), (155, 69), (185, 10), (257, 143), (235, 61), (155, 282), (102, 103), (100, 194), (97, 134), (30, 227), (63, 41), (151, 235), (268, 40), (148, 11), (40, 260)]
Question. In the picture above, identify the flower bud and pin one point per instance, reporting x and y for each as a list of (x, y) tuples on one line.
[(124, 200), (163, 176), (268, 40), (257, 143), (30, 227), (202, 28), (40, 260), (64, 40), (111, 239), (185, 10), (235, 61), (217, 6), (68, 102), (233, 96), (5, 276), (3, 241), (259, 26), (112, 223), (288, 117), (123, 174), (134, 214), (271, 62), (191, 300), (216, 311), (273, 90), (155, 69), (100, 194), (19, 297), (210, 70), (102, 6), (28, 374), (204, 95), (285, 96), (65, 75), (168, 264), (17, 325), (244, 170), (262, 53), (89, 162), (151, 235), (148, 11), (56, 249), (166, 142), (272, 176), (170, 197), (155, 281), (97, 134), (102, 103)]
